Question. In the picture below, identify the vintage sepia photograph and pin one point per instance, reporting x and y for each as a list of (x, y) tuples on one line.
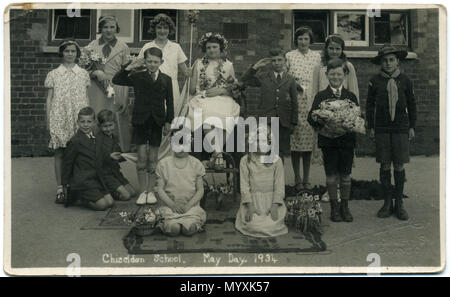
[(168, 139)]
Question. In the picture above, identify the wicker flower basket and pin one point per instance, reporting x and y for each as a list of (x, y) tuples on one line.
[(145, 229)]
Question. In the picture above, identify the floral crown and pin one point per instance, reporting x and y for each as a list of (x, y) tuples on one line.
[(207, 36)]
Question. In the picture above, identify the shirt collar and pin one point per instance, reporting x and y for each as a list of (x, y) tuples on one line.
[(112, 42), (334, 90), (156, 74), (75, 69), (276, 73)]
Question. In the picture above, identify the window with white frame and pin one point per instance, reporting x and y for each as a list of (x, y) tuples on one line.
[(65, 26), (134, 25), (359, 30), (147, 15), (125, 18)]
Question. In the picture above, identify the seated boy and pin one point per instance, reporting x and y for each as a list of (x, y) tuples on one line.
[(82, 165), (337, 152)]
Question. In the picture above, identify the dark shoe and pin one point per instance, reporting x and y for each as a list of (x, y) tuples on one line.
[(387, 209), (400, 210), (335, 212), (345, 212), (60, 198)]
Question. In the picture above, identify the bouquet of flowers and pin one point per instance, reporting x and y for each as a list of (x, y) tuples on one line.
[(193, 16), (340, 117), (91, 61), (235, 88), (304, 212), (145, 223)]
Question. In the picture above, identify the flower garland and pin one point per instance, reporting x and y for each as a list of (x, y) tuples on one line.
[(204, 39), (206, 82)]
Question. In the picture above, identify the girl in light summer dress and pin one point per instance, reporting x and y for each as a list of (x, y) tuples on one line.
[(67, 95), (262, 209)]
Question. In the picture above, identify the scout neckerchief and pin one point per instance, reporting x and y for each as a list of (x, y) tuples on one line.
[(392, 91), (107, 48)]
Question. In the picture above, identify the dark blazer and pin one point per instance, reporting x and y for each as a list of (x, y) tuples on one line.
[(276, 100), (377, 106), (82, 163), (109, 145), (347, 140), (151, 98)]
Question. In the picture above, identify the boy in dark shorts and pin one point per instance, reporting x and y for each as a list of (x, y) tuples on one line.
[(391, 117), (278, 95), (337, 152), (82, 165), (152, 113)]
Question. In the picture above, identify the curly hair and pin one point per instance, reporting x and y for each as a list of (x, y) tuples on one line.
[(104, 116), (336, 39), (336, 63), (164, 19), (103, 19), (301, 31)]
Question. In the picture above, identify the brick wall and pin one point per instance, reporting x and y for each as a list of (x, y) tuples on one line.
[(266, 29)]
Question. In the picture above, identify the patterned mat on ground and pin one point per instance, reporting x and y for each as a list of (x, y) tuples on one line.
[(111, 219), (221, 238)]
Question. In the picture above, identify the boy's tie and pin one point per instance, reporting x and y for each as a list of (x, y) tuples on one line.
[(278, 78), (153, 76), (337, 94)]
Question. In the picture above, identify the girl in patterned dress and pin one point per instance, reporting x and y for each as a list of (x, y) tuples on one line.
[(67, 95), (301, 63)]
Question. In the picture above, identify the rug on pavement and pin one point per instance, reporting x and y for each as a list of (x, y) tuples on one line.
[(221, 238)]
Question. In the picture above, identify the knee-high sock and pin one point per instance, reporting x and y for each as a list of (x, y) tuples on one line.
[(345, 188), (332, 190), (399, 178)]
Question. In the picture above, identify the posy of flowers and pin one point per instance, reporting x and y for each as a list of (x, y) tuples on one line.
[(147, 217), (92, 61), (304, 212), (340, 117)]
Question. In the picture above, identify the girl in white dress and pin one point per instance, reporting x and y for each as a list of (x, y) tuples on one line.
[(173, 55), (211, 76)]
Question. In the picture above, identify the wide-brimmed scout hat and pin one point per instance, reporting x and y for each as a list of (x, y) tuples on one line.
[(389, 49)]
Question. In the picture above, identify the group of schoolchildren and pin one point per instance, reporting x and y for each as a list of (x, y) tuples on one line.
[(90, 163)]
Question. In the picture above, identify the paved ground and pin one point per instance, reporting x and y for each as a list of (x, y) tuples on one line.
[(43, 233)]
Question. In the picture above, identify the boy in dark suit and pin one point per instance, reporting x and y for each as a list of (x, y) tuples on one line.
[(82, 165), (337, 152), (150, 119), (391, 117), (278, 95)]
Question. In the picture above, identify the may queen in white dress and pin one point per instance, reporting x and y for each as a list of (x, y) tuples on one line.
[(211, 76)]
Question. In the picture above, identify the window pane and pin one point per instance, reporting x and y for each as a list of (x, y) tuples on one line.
[(351, 26), (391, 28), (148, 14), (72, 27), (317, 20), (125, 18)]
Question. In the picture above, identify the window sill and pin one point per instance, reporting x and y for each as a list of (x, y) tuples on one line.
[(350, 54), (49, 49), (371, 54)]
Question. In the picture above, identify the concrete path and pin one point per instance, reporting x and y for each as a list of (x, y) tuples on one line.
[(43, 233)]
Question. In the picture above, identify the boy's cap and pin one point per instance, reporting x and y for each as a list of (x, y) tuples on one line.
[(389, 49)]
